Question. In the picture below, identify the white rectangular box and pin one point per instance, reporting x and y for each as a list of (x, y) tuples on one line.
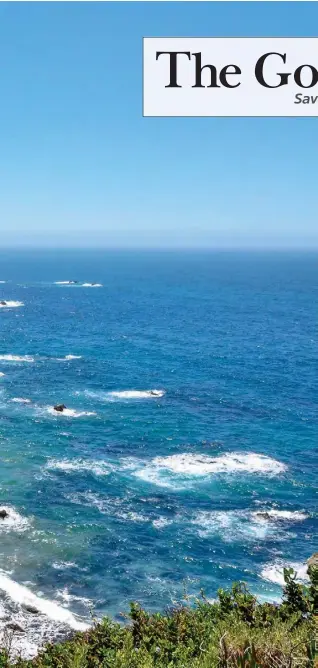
[(230, 76)]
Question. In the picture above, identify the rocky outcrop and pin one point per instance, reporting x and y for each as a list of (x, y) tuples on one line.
[(31, 608), (3, 513), (13, 626), (313, 561), (59, 408), (263, 515)]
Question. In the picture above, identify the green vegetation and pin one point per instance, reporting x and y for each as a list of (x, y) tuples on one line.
[(235, 631)]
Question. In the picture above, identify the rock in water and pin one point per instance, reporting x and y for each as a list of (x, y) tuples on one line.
[(13, 626), (31, 608), (3, 303), (3, 513), (263, 515), (59, 408)]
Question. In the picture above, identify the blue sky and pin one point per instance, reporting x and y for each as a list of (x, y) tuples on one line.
[(79, 165)]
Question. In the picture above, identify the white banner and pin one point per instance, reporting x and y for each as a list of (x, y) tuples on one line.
[(230, 76)]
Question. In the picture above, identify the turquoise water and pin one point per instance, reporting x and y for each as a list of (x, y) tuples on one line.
[(135, 496)]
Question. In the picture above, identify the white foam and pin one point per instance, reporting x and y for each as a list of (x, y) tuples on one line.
[(92, 285), (188, 464), (73, 357), (275, 572), (161, 522), (1, 374), (96, 467), (13, 522), (16, 358), (69, 357), (11, 304), (69, 412), (288, 515), (24, 597), (20, 400), (88, 499), (135, 394), (68, 598), (65, 283), (3, 281), (63, 565), (236, 525)]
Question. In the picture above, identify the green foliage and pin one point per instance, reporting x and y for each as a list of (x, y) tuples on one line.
[(234, 632)]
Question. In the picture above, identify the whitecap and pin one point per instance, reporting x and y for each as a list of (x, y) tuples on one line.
[(20, 400), (188, 464), (274, 572), (127, 394), (1, 374), (14, 521), (67, 598), (98, 468), (89, 499), (72, 357), (236, 525), (66, 283), (11, 304), (63, 565), (16, 358), (92, 285), (68, 358), (161, 522), (21, 595), (69, 412), (273, 514)]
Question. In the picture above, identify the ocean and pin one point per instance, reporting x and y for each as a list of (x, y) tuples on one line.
[(185, 459)]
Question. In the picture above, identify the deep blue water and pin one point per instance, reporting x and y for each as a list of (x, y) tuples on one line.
[(145, 497)]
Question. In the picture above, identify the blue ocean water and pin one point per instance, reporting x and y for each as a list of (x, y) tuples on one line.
[(137, 496)]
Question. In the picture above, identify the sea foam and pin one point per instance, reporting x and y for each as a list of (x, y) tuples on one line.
[(279, 515), (11, 304), (21, 595), (14, 521), (20, 400), (275, 572), (98, 468), (242, 525), (69, 412), (69, 357), (92, 285), (16, 358), (124, 395), (188, 464)]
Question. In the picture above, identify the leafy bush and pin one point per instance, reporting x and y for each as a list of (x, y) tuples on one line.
[(234, 632)]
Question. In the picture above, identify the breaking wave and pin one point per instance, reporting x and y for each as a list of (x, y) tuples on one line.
[(275, 572), (69, 412), (92, 285), (69, 357), (11, 304), (98, 468), (13, 521), (280, 515), (241, 525), (20, 400), (159, 470), (65, 282), (125, 395), (41, 619), (16, 358)]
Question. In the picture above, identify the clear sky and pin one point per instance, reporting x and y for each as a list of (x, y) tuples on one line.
[(80, 165)]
